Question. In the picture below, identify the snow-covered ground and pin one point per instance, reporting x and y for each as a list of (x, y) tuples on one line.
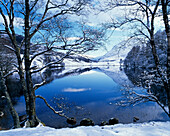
[(142, 129)]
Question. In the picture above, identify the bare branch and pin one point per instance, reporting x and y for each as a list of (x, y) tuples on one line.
[(143, 4), (59, 6), (40, 53), (153, 98), (139, 20), (34, 5), (56, 112), (52, 63), (9, 47), (5, 6), (73, 9), (134, 98), (10, 73), (36, 86), (6, 23)]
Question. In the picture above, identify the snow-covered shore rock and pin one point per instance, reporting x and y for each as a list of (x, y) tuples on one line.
[(142, 129)]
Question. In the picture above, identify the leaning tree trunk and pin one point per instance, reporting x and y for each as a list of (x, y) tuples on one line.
[(164, 78), (13, 112), (12, 36)]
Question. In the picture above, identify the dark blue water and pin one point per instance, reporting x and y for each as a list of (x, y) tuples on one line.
[(94, 95), (82, 89)]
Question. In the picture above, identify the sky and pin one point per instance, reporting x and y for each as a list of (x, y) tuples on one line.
[(114, 36), (94, 18)]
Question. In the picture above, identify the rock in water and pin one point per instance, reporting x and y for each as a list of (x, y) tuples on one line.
[(135, 119), (103, 123), (113, 121), (87, 122), (71, 121)]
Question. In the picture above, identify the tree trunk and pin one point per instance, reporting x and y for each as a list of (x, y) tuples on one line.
[(19, 60), (168, 71), (33, 119), (9, 103), (22, 80), (167, 29)]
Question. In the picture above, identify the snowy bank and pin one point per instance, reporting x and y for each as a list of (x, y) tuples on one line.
[(141, 129)]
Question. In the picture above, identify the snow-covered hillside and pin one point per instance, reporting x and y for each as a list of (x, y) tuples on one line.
[(118, 52), (143, 129)]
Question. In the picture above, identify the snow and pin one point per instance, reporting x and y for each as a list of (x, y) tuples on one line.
[(118, 51), (141, 129), (114, 72)]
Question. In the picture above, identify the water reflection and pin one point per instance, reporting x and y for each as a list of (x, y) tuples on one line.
[(87, 92), (96, 91), (151, 81)]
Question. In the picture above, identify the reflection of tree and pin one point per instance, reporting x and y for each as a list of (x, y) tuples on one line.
[(140, 17), (154, 91), (142, 71), (15, 91), (151, 89), (49, 29)]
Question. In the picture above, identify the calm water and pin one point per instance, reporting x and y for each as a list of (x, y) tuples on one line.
[(91, 94)]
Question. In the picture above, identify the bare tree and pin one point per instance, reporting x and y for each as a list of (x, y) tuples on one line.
[(38, 16), (140, 17), (13, 112)]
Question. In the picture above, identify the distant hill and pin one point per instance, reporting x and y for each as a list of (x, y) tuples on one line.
[(8, 57), (118, 52)]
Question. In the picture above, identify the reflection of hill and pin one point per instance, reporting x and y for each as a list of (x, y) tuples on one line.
[(111, 71), (51, 75), (15, 91), (116, 75), (139, 66), (136, 77), (14, 87)]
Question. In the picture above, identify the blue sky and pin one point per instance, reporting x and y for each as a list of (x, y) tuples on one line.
[(92, 19)]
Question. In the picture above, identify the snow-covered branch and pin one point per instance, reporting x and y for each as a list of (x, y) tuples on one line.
[(9, 47), (134, 98), (40, 53), (36, 86), (51, 63), (60, 113), (10, 73)]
